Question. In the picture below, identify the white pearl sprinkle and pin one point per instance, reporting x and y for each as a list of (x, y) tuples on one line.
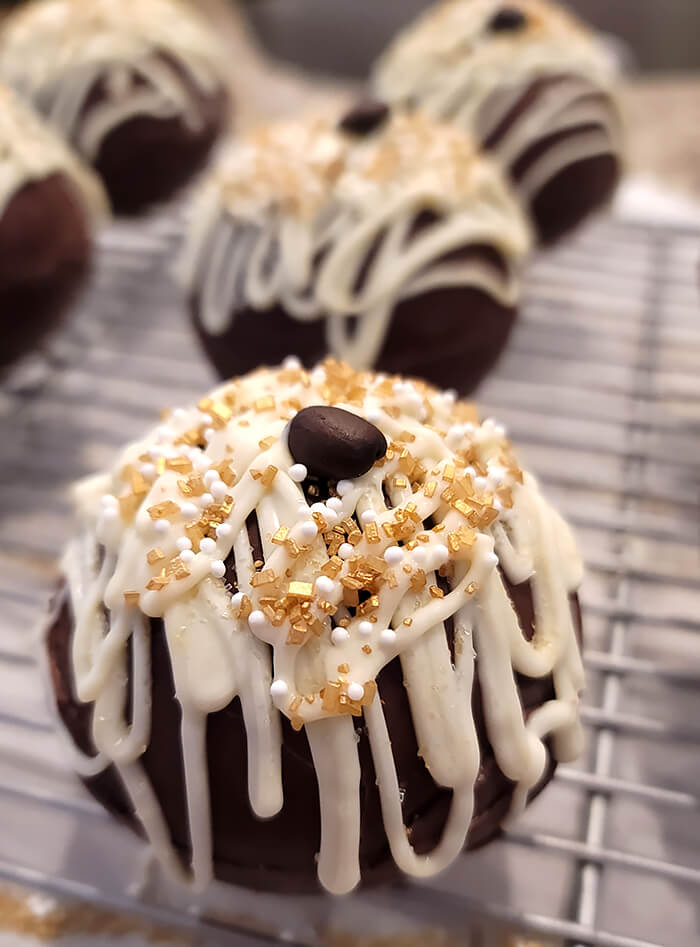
[(497, 505), (155, 452), (291, 363), (187, 555), (161, 526), (210, 476), (420, 556), (346, 550), (368, 516), (343, 487), (278, 688), (325, 585), (165, 433), (184, 542), (339, 635), (330, 516), (179, 414), (303, 510), (237, 599), (209, 433), (218, 569), (374, 415), (449, 396), (308, 530), (356, 691), (204, 418), (441, 554), (298, 473), (257, 619), (201, 462), (365, 628), (335, 504), (218, 489), (189, 510), (491, 560), (393, 555), (148, 471), (387, 637), (206, 500), (207, 545), (223, 529), (109, 500)]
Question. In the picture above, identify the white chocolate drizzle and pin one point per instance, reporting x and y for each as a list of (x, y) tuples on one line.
[(30, 151), (451, 66), (320, 222), (55, 52), (448, 499)]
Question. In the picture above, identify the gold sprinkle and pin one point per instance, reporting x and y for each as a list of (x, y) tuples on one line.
[(343, 668), (180, 464), (301, 590), (429, 489), (266, 577), (367, 649), (269, 475), (266, 403), (245, 609), (128, 505), (400, 483), (418, 580), (472, 588), (220, 413), (157, 583), (332, 567), (131, 597), (266, 443), (372, 533), (294, 705), (292, 548), (436, 591), (256, 474), (408, 622), (448, 473), (280, 536), (154, 555), (406, 436)]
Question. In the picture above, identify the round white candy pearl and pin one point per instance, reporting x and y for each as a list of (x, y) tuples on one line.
[(346, 550), (187, 555), (441, 554), (335, 504), (368, 516), (308, 530), (161, 526), (218, 569), (491, 559), (325, 585), (393, 555), (237, 599), (148, 471), (223, 529), (218, 489), (206, 500), (356, 691), (278, 688), (304, 510), (257, 619), (210, 476), (291, 363), (365, 628), (298, 473), (343, 487), (339, 635), (189, 510), (207, 545), (184, 542), (387, 637), (109, 500)]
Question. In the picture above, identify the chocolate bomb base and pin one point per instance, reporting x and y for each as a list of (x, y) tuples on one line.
[(576, 191), (279, 854), (146, 159), (450, 337), (45, 250)]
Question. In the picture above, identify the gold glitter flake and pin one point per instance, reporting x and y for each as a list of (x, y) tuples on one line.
[(279, 538), (131, 598), (154, 555), (266, 403), (303, 591), (436, 591)]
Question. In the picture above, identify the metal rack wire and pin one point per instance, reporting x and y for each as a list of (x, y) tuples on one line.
[(601, 390)]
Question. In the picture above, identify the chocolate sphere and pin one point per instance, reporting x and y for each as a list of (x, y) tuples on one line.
[(49, 204), (135, 87), (331, 668), (399, 249), (534, 88)]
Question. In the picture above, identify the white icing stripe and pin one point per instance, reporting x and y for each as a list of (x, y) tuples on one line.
[(218, 652), (56, 52), (451, 66), (309, 252)]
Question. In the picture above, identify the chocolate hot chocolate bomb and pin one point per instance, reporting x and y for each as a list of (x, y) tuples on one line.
[(282, 676), (384, 240), (531, 84), (135, 86), (49, 205)]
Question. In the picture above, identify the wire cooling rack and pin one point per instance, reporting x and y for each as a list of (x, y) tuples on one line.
[(601, 390)]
